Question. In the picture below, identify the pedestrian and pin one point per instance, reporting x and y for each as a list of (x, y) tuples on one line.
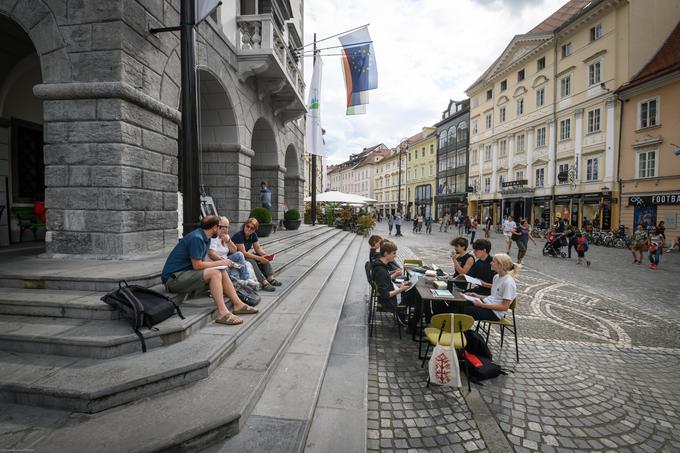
[(522, 235), (582, 248), (428, 225), (415, 224), (570, 234), (467, 224), (487, 227), (654, 245), (265, 196), (445, 221), (508, 227), (390, 223), (639, 242), (473, 229), (421, 220), (661, 229), (397, 224)]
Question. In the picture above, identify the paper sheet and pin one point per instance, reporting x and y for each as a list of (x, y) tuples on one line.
[(474, 281), (470, 298)]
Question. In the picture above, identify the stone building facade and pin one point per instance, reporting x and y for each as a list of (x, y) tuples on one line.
[(89, 91)]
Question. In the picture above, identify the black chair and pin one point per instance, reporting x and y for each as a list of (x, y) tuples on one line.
[(374, 302)]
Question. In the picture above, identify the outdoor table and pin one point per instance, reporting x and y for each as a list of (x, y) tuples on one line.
[(423, 286)]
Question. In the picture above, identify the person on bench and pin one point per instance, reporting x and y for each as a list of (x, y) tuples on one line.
[(222, 247), (185, 272)]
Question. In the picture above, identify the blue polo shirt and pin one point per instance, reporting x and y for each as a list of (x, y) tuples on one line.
[(192, 246), (240, 238)]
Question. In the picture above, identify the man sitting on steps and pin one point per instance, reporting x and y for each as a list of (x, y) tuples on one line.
[(185, 272)]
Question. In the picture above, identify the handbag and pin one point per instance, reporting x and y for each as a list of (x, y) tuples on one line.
[(443, 366)]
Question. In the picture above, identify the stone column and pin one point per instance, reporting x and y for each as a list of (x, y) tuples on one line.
[(529, 142), (510, 140), (294, 192), (551, 153), (226, 177), (609, 143), (578, 143), (494, 166)]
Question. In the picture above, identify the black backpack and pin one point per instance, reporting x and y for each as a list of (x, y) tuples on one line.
[(247, 295), (141, 307), (482, 368), (475, 344)]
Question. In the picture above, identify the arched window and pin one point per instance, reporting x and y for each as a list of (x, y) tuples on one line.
[(452, 135), (462, 133), (442, 140)]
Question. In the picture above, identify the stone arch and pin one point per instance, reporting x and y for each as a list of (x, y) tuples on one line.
[(22, 169), (266, 167), (221, 153), (294, 181)]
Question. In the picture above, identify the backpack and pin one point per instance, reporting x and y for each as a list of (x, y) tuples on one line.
[(141, 307), (247, 295), (476, 345), (482, 368)]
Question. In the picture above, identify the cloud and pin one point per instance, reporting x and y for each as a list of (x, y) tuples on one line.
[(427, 52)]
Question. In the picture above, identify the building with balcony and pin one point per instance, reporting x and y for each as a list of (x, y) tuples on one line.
[(421, 173), (544, 117), (90, 114), (356, 175), (649, 166), (391, 180), (452, 158)]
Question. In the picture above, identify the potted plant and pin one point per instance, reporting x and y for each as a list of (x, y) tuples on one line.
[(264, 218), (291, 219), (365, 224)]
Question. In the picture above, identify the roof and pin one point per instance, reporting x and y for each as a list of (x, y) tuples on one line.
[(559, 17), (666, 60), (567, 12)]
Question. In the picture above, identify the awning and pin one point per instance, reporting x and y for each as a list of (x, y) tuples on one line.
[(342, 198)]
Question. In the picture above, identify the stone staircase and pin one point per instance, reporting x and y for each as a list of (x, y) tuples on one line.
[(73, 378)]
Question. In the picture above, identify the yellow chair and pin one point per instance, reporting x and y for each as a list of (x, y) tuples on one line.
[(504, 324), (440, 331), (413, 261)]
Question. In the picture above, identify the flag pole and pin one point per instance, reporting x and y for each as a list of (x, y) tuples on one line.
[(313, 156), (189, 137)]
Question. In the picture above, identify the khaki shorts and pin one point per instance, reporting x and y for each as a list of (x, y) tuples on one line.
[(186, 281), (638, 247)]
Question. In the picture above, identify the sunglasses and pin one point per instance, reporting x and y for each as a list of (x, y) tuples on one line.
[(249, 227)]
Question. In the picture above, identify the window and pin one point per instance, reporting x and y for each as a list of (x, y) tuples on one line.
[(473, 156), (565, 129), (474, 127), (646, 164), (452, 136), (519, 175), (540, 137), (423, 152), (487, 152), (501, 116), (594, 121), (596, 32), (592, 169), (488, 120), (504, 85), (489, 94), (520, 106), (501, 180), (520, 144), (462, 133), (540, 177), (431, 150), (594, 74), (487, 184), (648, 113), (566, 50), (563, 168), (442, 140), (540, 97), (540, 64), (502, 148), (565, 87), (422, 172), (520, 75), (431, 168)]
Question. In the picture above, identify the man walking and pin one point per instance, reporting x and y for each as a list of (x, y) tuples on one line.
[(265, 196), (508, 227), (397, 224)]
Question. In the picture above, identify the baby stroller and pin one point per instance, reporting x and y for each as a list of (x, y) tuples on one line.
[(553, 245)]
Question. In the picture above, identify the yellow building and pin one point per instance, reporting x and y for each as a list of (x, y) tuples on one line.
[(544, 116), (649, 169), (421, 173)]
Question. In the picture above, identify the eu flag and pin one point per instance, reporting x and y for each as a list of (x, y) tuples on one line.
[(361, 72)]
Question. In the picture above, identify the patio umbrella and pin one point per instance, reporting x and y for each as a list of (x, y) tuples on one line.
[(343, 198)]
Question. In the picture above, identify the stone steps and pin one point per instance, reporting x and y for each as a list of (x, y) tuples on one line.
[(92, 275), (284, 413), (195, 416), (90, 385)]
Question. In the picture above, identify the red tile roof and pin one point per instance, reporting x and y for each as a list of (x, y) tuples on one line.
[(666, 60)]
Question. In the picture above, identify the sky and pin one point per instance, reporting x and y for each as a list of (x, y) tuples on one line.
[(427, 52)]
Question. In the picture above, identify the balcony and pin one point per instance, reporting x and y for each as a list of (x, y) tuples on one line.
[(264, 56)]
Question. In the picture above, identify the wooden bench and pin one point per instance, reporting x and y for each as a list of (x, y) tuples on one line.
[(27, 220)]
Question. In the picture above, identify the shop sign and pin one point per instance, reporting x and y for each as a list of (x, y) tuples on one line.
[(519, 182), (654, 200), (562, 198), (487, 202), (591, 198), (542, 199)]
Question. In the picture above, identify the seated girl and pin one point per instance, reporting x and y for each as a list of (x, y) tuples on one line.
[(222, 247)]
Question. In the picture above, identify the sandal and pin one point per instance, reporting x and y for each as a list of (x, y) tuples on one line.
[(246, 310), (231, 320), (267, 287), (274, 282)]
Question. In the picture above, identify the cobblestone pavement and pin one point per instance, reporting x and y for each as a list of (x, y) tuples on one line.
[(599, 356)]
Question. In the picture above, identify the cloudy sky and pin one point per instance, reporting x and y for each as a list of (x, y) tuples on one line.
[(428, 51)]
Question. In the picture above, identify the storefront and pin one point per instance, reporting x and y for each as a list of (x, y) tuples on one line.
[(452, 203), (649, 210), (540, 215), (562, 207)]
